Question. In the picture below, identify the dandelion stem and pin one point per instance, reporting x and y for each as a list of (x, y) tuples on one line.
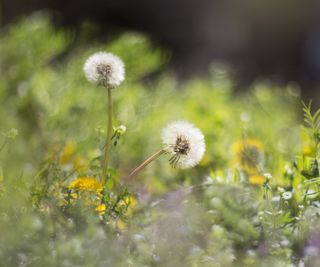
[(108, 139), (145, 163)]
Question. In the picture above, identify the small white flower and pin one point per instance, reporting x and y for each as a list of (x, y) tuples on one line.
[(287, 195), (184, 142), (268, 176), (104, 69), (122, 129)]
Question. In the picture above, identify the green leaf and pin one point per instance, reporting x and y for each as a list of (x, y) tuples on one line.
[(109, 184)]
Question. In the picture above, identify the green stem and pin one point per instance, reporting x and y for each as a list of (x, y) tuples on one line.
[(304, 201), (3, 145), (145, 163), (108, 139)]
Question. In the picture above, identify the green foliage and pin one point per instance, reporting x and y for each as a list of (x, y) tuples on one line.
[(224, 212), (312, 121)]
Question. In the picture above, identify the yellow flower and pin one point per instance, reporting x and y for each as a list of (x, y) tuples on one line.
[(248, 154), (101, 209), (256, 179), (80, 164), (121, 225), (308, 150), (130, 201), (86, 184), (68, 151)]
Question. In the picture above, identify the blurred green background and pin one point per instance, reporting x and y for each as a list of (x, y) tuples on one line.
[(50, 104)]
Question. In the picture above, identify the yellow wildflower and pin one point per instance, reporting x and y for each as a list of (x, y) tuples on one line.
[(256, 179), (121, 225), (130, 201), (101, 209), (248, 154), (80, 164), (308, 150), (86, 184), (68, 152)]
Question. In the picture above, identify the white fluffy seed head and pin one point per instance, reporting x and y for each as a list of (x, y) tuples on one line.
[(184, 142), (104, 69)]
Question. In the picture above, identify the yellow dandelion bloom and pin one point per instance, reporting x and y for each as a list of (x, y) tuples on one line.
[(256, 179), (86, 184), (80, 164), (130, 201), (68, 152), (121, 225), (248, 154), (101, 209), (308, 150)]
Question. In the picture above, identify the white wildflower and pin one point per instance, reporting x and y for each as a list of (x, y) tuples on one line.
[(121, 129), (268, 176), (104, 69), (184, 142), (287, 195)]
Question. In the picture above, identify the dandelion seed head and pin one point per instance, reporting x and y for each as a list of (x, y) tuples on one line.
[(184, 142), (287, 195), (104, 69)]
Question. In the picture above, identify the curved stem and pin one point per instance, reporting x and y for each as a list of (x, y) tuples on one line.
[(108, 139), (145, 163)]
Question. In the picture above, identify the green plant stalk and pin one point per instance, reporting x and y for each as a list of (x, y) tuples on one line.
[(145, 163), (3, 144), (108, 139)]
